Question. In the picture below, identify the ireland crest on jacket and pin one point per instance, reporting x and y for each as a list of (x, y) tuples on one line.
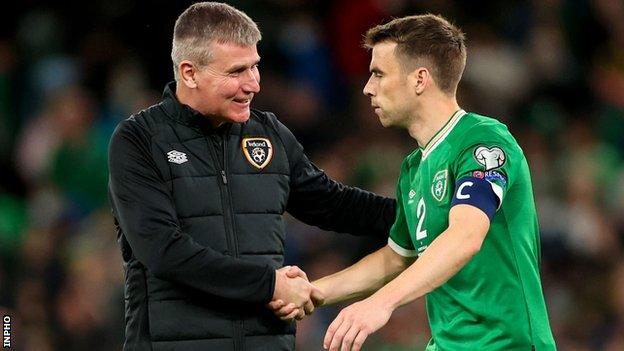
[(439, 185), (258, 151)]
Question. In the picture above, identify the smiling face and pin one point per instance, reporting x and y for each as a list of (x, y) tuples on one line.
[(388, 87), (228, 83)]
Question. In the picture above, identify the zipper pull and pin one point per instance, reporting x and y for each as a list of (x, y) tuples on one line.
[(223, 177)]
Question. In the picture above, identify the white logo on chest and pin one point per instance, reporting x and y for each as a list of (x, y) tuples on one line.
[(177, 157)]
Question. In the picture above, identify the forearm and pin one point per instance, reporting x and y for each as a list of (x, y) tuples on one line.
[(366, 213), (444, 257), (362, 278), (175, 256), (318, 200), (187, 263)]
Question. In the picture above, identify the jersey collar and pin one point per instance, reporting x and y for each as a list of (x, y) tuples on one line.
[(439, 137)]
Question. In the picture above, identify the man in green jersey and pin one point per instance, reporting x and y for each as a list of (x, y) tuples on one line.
[(465, 210)]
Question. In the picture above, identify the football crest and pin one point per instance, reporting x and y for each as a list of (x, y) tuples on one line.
[(438, 188), (258, 151)]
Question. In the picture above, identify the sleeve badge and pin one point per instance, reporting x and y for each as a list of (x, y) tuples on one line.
[(490, 158)]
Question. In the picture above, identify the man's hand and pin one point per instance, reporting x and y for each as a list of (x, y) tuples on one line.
[(292, 294), (354, 324)]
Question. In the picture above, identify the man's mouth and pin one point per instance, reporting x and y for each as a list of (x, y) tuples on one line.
[(244, 101)]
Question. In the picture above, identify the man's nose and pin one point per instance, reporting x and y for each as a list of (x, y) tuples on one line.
[(368, 89), (251, 83)]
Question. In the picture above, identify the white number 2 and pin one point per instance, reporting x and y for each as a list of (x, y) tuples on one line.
[(420, 214)]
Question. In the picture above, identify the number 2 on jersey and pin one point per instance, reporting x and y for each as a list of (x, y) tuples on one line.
[(420, 214)]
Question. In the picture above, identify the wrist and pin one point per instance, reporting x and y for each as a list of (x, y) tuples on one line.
[(386, 302), (322, 286), (277, 285)]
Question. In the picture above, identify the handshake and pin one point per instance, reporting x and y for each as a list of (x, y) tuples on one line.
[(294, 296)]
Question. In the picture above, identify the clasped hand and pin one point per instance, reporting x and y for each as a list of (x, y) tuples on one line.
[(294, 296)]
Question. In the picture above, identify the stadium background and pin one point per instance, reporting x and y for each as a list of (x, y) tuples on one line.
[(552, 70)]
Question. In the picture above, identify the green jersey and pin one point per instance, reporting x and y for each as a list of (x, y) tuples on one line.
[(495, 302)]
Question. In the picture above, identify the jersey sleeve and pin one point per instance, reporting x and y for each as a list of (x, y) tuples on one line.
[(487, 157), (399, 239)]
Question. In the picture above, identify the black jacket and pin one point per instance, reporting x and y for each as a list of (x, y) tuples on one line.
[(200, 224)]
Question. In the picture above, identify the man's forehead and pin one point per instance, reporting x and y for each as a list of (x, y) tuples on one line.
[(234, 54), (383, 54)]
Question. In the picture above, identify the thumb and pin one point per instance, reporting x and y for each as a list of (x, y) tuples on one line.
[(275, 305), (317, 296), (294, 272)]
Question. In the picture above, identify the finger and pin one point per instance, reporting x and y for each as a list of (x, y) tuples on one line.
[(284, 269), (276, 304), (295, 271), (308, 307), (286, 310), (329, 335), (339, 335), (300, 315), (359, 340), (291, 316), (349, 337)]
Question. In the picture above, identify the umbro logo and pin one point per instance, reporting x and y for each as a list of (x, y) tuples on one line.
[(411, 194), (177, 157)]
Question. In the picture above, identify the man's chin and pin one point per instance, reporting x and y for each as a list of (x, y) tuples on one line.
[(385, 122), (240, 117)]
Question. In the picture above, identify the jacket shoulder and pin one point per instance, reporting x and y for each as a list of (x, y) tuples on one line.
[(269, 119), (264, 117), (145, 123)]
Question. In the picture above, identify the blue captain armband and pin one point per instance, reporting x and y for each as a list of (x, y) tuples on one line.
[(476, 192)]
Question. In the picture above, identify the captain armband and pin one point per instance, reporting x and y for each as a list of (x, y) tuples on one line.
[(478, 192)]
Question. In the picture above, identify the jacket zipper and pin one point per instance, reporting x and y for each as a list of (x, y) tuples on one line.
[(228, 205), (224, 194), (228, 215)]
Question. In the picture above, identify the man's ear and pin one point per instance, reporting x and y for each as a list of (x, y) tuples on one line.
[(419, 79), (187, 72)]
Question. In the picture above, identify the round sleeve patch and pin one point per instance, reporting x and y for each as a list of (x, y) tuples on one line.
[(490, 157)]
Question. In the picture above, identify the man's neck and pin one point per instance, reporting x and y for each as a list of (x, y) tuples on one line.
[(433, 115), (185, 97)]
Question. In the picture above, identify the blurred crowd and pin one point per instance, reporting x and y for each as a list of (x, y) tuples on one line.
[(553, 70)]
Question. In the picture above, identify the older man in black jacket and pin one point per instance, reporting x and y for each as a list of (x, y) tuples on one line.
[(199, 184)]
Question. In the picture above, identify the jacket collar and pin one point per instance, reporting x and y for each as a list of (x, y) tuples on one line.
[(183, 113)]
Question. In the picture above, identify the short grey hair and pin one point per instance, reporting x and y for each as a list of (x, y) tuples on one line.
[(206, 22)]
